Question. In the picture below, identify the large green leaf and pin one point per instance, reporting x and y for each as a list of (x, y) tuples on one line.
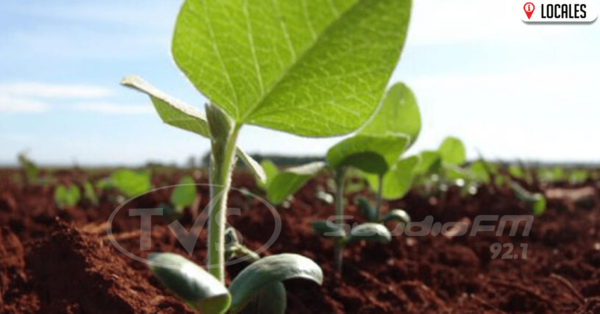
[(190, 282), (269, 270), (452, 151), (371, 154), (291, 180), (398, 181), (313, 68), (398, 114)]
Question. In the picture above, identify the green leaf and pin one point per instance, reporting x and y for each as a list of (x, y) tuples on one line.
[(190, 282), (478, 172), (370, 231), (254, 167), (66, 197), (291, 180), (398, 215), (366, 209), (271, 299), (536, 200), (269, 270), (398, 181), (452, 151), (371, 154), (184, 194), (130, 183), (89, 193), (172, 111), (31, 170), (328, 229), (313, 68), (176, 113), (429, 162), (271, 171), (516, 172), (539, 206), (398, 114)]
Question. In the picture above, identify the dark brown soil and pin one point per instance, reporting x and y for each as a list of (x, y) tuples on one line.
[(58, 261)]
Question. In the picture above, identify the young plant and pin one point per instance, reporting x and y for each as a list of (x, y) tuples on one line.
[(89, 193), (131, 183), (316, 74), (66, 197), (183, 195), (281, 185), (30, 171), (376, 151), (371, 213), (452, 155), (536, 201)]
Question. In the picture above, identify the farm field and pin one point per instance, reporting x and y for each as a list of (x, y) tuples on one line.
[(56, 260), (315, 156)]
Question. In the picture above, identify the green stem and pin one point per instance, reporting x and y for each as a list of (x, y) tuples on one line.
[(340, 175), (379, 198), (222, 162)]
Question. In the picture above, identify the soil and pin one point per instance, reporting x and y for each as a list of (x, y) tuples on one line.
[(59, 261)]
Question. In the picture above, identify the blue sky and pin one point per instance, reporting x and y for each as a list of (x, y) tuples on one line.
[(508, 89)]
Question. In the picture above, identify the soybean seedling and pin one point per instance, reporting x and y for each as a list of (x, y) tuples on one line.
[(280, 185), (89, 193), (536, 201), (30, 171), (376, 151), (183, 195), (371, 214), (131, 183), (66, 197), (269, 66)]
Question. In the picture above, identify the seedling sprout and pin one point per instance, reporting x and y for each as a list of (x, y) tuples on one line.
[(232, 63)]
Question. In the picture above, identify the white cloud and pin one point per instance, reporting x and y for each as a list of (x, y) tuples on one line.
[(64, 91), (10, 104), (110, 108), (32, 97)]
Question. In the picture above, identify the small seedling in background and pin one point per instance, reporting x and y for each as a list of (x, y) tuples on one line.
[(66, 197), (280, 185), (131, 183), (30, 171), (183, 195), (537, 201), (375, 150), (371, 214), (89, 193)]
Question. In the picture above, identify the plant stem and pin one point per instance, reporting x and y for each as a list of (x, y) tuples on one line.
[(379, 198), (222, 162), (340, 176)]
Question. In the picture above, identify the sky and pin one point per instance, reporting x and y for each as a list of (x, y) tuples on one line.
[(508, 89)]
